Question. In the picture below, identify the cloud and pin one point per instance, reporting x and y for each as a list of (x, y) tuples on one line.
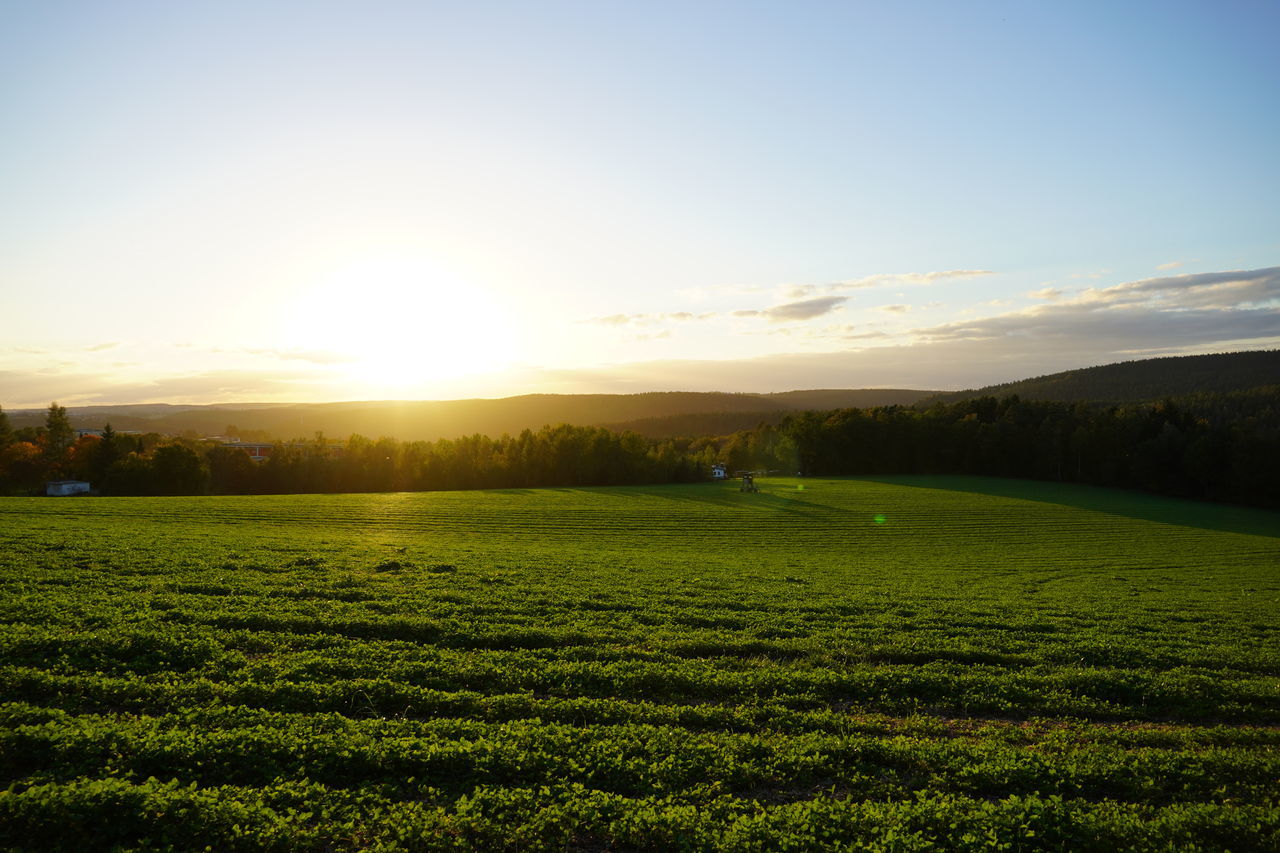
[(218, 385), (1174, 314), (1172, 265), (895, 309), (1151, 313), (702, 293), (101, 347), (31, 389), (650, 319), (887, 279), (615, 319), (1228, 289), (802, 301), (27, 389), (656, 336), (1171, 315), (313, 356), (805, 309), (1048, 293)]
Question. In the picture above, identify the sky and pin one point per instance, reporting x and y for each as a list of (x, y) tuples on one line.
[(276, 201)]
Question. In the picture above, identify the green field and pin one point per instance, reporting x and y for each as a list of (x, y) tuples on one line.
[(899, 663)]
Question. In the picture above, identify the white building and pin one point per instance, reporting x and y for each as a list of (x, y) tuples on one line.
[(719, 471)]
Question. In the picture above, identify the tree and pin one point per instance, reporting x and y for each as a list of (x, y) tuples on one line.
[(106, 453), (58, 438), (21, 466), (80, 459), (178, 470), (232, 472), (6, 431), (131, 474)]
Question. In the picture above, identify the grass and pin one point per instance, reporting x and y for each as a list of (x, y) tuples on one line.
[(898, 663)]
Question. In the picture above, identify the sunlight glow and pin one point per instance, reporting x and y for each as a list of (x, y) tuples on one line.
[(401, 324)]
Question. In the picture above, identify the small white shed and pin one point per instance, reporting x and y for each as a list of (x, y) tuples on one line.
[(57, 488)]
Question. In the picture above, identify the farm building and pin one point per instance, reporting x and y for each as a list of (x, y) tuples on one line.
[(257, 452), (58, 488), (719, 472)]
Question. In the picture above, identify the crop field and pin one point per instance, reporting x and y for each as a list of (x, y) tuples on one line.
[(901, 663)]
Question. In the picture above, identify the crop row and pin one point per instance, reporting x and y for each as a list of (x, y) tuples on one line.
[(455, 756), (292, 816), (953, 690)]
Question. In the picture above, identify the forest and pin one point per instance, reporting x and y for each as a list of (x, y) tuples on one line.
[(1222, 447), (152, 464)]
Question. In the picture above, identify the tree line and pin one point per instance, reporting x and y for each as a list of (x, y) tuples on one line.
[(151, 464), (1222, 447)]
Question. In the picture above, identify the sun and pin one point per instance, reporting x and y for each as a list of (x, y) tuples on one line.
[(402, 324)]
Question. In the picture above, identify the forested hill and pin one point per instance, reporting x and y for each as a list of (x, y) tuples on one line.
[(1148, 380), (662, 414)]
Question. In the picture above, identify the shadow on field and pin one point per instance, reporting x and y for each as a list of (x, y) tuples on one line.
[(718, 495), (1165, 510)]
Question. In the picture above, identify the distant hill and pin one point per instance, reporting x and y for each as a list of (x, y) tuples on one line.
[(695, 424), (699, 424), (1142, 381), (660, 413)]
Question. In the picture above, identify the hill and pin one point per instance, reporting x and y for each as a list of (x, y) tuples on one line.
[(1143, 381), (431, 420)]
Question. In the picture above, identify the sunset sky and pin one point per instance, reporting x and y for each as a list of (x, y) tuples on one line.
[(269, 201)]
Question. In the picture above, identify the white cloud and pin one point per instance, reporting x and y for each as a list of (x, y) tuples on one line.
[(650, 319), (313, 356), (703, 293), (656, 336), (1050, 294), (887, 279)]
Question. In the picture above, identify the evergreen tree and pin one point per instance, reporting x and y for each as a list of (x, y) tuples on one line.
[(6, 431), (58, 438), (104, 455)]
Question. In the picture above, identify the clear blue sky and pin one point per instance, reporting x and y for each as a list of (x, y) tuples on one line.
[(332, 201)]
